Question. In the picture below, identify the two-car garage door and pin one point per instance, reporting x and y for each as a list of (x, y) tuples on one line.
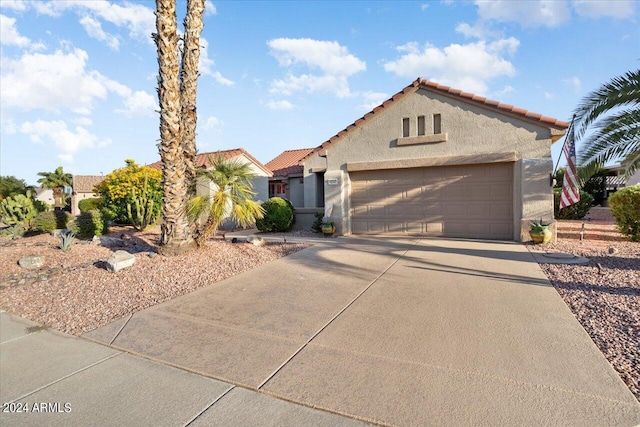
[(474, 201)]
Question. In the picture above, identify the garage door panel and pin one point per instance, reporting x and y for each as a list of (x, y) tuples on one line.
[(473, 201)]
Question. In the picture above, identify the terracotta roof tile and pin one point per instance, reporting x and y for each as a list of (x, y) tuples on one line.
[(85, 183), (287, 162), (202, 159), (420, 82)]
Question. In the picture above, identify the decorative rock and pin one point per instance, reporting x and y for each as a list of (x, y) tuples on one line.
[(613, 250), (33, 261), (258, 241), (120, 260), (57, 232), (152, 255), (108, 242)]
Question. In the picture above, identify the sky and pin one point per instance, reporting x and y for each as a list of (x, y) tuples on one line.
[(78, 78)]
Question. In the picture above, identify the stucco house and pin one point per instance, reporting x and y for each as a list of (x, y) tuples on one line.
[(82, 188), (433, 160), (287, 180)]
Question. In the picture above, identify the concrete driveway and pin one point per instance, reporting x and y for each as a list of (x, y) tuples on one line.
[(398, 332)]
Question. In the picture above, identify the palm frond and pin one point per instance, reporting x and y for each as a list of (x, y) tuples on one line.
[(619, 92), (615, 137)]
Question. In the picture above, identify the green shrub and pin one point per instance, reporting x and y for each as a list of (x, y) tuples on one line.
[(90, 224), (278, 215), (575, 211), (625, 208), (51, 220), (18, 210), (85, 205), (317, 223)]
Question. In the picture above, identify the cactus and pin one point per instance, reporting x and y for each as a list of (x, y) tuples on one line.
[(66, 239), (18, 210), (145, 209)]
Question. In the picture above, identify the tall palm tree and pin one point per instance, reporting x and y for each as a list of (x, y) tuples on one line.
[(231, 197), (193, 25), (175, 236), (613, 113), (56, 181)]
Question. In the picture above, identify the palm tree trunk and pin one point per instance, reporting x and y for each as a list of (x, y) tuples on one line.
[(193, 25), (175, 236)]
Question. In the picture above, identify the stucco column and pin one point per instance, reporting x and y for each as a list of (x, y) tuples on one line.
[(537, 194)]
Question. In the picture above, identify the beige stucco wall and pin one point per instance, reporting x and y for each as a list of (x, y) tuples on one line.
[(75, 200), (471, 130)]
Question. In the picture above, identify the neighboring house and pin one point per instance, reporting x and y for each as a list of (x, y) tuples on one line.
[(260, 181), (437, 161), (44, 195), (83, 186), (287, 180)]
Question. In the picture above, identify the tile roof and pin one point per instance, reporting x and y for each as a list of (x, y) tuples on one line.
[(202, 159), (85, 183), (287, 162), (436, 87)]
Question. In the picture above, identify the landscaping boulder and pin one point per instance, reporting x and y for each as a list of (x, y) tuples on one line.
[(32, 261), (120, 260), (108, 242)]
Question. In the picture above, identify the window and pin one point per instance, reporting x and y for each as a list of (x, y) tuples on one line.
[(277, 189), (421, 126), (437, 124), (405, 127)]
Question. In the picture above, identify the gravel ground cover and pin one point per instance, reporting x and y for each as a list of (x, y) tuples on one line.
[(604, 294), (73, 293)]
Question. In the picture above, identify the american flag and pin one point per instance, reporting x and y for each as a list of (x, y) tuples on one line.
[(570, 193)]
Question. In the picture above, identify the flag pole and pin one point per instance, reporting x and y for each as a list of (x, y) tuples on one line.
[(555, 169)]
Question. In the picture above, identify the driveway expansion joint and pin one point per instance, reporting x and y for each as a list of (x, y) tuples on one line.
[(337, 315), (217, 399), (121, 328)]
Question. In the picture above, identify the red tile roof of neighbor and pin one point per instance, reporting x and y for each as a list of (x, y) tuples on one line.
[(287, 162), (202, 159), (85, 183), (436, 87)]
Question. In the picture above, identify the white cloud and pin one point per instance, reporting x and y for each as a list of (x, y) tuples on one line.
[(328, 56), (222, 80), (532, 13), (549, 95), (17, 5), (9, 33), (94, 30), (205, 65), (51, 82), (574, 82), (279, 105), (468, 67), (140, 104), (209, 8), (334, 62), (61, 81), (211, 122), (424, 6), (371, 100), (612, 8), (68, 141)]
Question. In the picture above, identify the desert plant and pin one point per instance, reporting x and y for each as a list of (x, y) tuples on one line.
[(145, 210), (66, 239), (86, 205), (278, 215), (538, 225), (117, 187), (90, 224), (51, 220), (625, 208), (232, 198), (575, 211), (13, 231), (317, 223), (10, 186), (18, 210)]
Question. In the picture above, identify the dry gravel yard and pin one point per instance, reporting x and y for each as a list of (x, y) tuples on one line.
[(604, 295), (73, 293)]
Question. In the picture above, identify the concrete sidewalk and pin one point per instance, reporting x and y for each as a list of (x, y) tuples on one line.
[(62, 380), (396, 332)]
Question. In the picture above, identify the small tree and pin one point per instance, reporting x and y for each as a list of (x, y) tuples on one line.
[(625, 208), (56, 181), (232, 198), (10, 186), (119, 188)]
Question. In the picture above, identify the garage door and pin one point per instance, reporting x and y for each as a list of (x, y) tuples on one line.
[(474, 201)]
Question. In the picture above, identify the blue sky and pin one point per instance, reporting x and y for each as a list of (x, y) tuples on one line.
[(78, 78)]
